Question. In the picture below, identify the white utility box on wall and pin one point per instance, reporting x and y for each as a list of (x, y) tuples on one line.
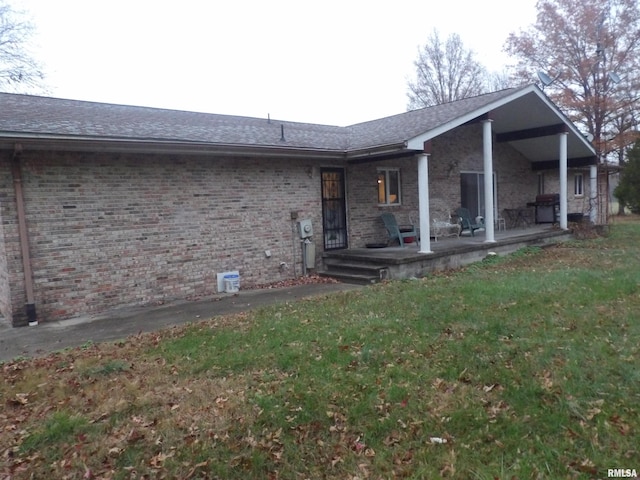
[(305, 228)]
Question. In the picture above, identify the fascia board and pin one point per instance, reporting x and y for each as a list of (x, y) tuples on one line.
[(115, 145)]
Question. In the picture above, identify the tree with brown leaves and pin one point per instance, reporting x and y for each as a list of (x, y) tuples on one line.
[(587, 55)]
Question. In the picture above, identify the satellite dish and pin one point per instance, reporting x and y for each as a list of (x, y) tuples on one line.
[(615, 78), (545, 79), (589, 137)]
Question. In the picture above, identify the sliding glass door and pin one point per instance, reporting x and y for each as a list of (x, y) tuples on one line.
[(472, 193)]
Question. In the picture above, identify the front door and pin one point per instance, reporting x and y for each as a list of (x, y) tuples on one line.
[(334, 209)]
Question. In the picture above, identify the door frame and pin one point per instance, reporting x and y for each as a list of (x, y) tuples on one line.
[(334, 209)]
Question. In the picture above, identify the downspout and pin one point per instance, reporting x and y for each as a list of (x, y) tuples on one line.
[(23, 236)]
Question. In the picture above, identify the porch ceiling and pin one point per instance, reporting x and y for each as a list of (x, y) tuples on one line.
[(528, 121), (538, 122)]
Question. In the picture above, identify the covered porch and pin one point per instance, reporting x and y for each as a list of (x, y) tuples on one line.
[(492, 155), (371, 265)]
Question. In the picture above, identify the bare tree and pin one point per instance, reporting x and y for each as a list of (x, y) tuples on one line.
[(18, 69), (500, 80), (445, 72), (589, 53)]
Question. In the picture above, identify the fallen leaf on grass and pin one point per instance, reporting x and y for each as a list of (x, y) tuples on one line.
[(584, 466), (134, 436), (592, 412), (195, 468), (158, 460), (115, 452), (623, 428), (20, 400)]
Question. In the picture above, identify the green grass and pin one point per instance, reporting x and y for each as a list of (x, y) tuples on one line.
[(535, 361), (514, 368), (59, 429), (107, 368)]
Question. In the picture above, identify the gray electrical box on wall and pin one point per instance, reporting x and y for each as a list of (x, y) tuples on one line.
[(305, 228)]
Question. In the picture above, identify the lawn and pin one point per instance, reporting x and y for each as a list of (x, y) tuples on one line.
[(518, 367)]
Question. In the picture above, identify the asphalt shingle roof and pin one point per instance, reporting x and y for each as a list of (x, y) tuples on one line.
[(43, 116), (404, 126)]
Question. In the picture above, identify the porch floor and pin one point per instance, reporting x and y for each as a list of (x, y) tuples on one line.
[(368, 265)]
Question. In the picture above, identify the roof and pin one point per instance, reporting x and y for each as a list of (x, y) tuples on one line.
[(44, 122)]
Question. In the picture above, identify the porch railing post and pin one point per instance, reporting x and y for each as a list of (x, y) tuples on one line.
[(593, 194), (488, 182), (563, 180), (423, 203)]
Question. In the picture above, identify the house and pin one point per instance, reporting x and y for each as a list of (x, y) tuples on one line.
[(103, 206)]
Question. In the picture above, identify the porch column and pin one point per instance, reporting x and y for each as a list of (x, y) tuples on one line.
[(593, 194), (423, 202), (563, 180), (488, 182)]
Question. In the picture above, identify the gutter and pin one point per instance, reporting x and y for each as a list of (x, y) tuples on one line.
[(23, 236), (165, 147)]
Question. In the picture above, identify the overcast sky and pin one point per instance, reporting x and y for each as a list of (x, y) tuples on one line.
[(334, 62)]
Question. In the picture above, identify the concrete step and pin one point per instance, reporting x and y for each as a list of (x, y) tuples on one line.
[(347, 277), (357, 268), (362, 273)]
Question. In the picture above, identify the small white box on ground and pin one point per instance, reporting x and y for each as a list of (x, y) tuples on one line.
[(231, 283), (234, 281)]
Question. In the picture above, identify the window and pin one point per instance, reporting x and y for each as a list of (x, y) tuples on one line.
[(388, 186), (577, 185)]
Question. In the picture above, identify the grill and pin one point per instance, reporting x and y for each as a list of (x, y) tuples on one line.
[(547, 207)]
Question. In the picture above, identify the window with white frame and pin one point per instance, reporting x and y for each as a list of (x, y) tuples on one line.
[(578, 185), (389, 186)]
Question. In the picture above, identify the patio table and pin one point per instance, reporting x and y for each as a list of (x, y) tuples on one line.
[(517, 217), (444, 229)]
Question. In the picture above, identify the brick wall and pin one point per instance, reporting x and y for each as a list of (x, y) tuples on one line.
[(118, 230), (365, 225), (11, 272), (575, 203), (5, 292)]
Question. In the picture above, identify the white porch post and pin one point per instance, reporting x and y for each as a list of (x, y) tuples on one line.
[(593, 194), (488, 182), (423, 203), (563, 180)]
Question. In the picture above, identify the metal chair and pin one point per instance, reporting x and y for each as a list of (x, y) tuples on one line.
[(466, 222), (398, 232)]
